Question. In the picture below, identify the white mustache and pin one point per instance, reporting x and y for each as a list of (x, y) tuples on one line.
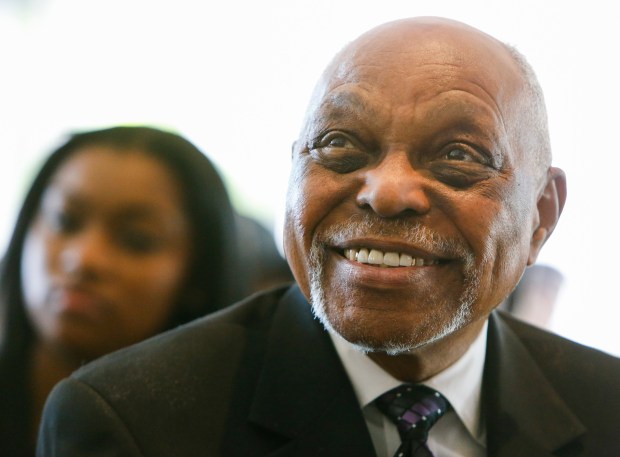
[(407, 231)]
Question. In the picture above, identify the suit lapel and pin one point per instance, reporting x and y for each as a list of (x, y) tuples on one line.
[(524, 413), (303, 392), (304, 395)]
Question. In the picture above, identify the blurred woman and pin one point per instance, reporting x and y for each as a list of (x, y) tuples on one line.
[(125, 232)]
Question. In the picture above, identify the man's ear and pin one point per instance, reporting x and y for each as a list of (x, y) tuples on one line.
[(550, 205)]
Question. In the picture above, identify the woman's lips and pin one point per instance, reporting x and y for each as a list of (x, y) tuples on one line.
[(72, 300)]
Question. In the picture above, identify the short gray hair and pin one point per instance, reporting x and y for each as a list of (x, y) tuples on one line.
[(535, 114)]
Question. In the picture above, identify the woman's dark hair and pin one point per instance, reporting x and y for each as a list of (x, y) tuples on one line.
[(210, 283), (213, 280)]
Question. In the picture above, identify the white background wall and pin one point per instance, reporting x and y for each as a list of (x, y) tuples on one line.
[(234, 77)]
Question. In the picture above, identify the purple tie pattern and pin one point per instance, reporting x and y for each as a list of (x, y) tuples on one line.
[(414, 409)]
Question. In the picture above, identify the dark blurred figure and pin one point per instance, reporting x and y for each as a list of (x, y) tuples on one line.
[(125, 232), (262, 262)]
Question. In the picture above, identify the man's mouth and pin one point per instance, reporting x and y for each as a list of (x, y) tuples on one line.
[(387, 259)]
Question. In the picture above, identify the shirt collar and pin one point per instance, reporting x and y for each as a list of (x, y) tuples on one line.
[(460, 383)]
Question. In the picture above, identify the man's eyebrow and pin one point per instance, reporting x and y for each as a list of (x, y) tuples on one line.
[(340, 105), (345, 103)]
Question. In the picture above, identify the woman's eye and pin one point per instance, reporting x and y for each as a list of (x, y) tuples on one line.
[(138, 242), (64, 222)]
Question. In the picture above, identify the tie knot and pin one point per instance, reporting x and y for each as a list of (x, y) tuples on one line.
[(413, 408)]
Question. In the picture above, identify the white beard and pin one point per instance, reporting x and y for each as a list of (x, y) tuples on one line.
[(414, 234)]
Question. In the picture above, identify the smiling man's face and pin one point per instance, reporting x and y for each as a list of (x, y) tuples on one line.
[(412, 211)]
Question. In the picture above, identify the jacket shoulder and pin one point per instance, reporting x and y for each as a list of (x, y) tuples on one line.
[(181, 356), (587, 378), (184, 378)]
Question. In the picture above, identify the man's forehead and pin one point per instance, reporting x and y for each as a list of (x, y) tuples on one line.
[(423, 33), (431, 91), (348, 104), (397, 51), (421, 64)]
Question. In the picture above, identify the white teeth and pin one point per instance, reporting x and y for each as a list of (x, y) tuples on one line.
[(405, 260), (391, 259), (387, 259), (375, 257), (350, 254)]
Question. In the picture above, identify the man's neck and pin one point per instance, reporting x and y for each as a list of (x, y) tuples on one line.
[(428, 360)]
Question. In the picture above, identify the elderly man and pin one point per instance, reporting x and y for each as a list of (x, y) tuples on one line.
[(421, 189)]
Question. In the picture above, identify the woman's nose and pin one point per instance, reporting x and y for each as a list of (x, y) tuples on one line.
[(394, 187), (86, 253)]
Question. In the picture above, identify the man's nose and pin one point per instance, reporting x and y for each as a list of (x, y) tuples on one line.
[(394, 187), (86, 253)]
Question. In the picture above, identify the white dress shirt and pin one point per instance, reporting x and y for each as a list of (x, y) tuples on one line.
[(461, 432)]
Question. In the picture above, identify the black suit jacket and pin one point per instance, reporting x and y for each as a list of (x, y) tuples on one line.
[(262, 378)]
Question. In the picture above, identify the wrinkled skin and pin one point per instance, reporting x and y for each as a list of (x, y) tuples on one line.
[(106, 257), (416, 142)]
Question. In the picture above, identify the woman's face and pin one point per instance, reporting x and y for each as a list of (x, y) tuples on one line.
[(106, 256)]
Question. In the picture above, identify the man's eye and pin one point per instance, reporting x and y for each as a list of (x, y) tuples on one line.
[(462, 166), (339, 152), (339, 142), (465, 155)]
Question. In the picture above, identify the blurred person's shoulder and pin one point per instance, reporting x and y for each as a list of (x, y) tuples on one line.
[(212, 341)]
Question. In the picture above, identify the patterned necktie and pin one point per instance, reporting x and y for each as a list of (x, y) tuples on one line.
[(414, 410)]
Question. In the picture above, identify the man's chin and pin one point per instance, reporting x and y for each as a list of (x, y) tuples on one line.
[(391, 348), (359, 336), (369, 338), (393, 336)]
